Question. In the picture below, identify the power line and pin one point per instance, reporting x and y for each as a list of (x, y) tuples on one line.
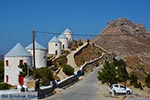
[(127, 34)]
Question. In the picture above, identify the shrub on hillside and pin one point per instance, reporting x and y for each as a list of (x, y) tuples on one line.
[(80, 43), (62, 60), (45, 75), (134, 81), (147, 81), (1, 70), (4, 86), (68, 70)]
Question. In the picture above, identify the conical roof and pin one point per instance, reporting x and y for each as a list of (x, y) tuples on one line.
[(62, 36), (67, 31), (54, 40), (18, 51), (37, 46)]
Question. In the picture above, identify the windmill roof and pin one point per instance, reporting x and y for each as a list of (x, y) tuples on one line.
[(37, 46), (55, 40), (67, 30), (62, 36), (18, 51)]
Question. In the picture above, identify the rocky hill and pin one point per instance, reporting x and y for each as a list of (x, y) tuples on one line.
[(128, 40)]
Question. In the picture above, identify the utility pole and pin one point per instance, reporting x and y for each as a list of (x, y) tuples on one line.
[(33, 41)]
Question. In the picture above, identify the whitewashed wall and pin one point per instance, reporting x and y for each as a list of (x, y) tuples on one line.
[(52, 48), (12, 70), (64, 42), (40, 57), (68, 35)]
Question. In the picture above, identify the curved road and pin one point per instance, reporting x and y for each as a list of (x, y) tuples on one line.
[(87, 89)]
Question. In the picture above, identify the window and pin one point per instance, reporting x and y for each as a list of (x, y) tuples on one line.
[(56, 44), (44, 57), (6, 78), (122, 86), (7, 63), (63, 46), (56, 52), (21, 62)]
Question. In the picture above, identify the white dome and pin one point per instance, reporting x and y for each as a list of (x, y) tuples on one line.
[(68, 34)]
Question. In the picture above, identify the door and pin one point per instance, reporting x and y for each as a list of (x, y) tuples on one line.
[(7, 78), (21, 80), (56, 52)]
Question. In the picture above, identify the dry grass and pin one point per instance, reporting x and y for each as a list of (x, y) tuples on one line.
[(87, 54)]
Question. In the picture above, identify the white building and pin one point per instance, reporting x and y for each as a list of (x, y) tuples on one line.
[(64, 41), (68, 34), (40, 54), (16, 56), (54, 46)]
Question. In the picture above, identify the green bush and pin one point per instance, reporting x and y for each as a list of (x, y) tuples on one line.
[(45, 75), (1, 70), (114, 71), (134, 81), (4, 86), (68, 70), (108, 74), (24, 71), (62, 60), (147, 81)]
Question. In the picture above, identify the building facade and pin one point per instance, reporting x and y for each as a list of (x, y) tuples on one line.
[(54, 46), (64, 41), (68, 34), (40, 54), (16, 56)]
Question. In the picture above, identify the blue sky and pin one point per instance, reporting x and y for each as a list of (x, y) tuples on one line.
[(19, 17)]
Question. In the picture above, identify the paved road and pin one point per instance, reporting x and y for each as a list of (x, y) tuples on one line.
[(86, 89)]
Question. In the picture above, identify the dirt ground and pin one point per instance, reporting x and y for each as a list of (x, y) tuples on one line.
[(137, 94)]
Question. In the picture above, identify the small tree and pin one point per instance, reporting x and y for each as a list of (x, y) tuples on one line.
[(133, 81), (113, 72), (1, 71), (45, 75), (68, 70), (147, 81), (122, 72), (108, 74), (25, 70)]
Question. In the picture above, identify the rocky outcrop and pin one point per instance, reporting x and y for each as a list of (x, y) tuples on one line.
[(127, 39), (123, 37)]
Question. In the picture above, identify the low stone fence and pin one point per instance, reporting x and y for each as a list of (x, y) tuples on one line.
[(83, 67), (80, 50), (45, 91), (48, 90), (68, 81)]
